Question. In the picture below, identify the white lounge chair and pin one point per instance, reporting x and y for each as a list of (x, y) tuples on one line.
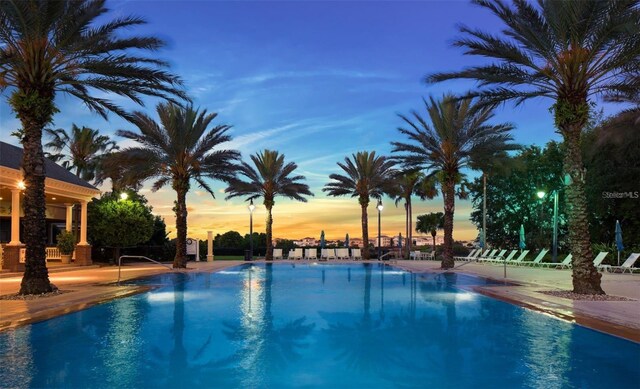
[(537, 259), (355, 254), (469, 257), (562, 265), (487, 256), (519, 259), (296, 254), (277, 254), (342, 253), (328, 254), (310, 254), (509, 257), (597, 261), (627, 265)]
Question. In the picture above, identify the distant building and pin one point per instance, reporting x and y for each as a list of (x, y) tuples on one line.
[(306, 242)]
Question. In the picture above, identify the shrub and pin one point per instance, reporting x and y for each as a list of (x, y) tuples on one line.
[(66, 242)]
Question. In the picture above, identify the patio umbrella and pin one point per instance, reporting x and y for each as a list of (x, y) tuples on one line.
[(619, 244), (322, 239), (522, 243), (481, 238), (346, 240), (400, 240)]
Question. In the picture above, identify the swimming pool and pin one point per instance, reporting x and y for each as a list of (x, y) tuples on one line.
[(306, 325)]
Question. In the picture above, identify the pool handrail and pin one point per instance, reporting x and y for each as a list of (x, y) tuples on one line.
[(139, 257)]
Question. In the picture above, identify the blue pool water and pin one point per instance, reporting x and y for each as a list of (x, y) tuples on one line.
[(330, 326)]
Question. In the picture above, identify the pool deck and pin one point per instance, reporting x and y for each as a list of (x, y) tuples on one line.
[(87, 286)]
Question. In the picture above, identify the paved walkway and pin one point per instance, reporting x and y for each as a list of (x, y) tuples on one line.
[(87, 286)]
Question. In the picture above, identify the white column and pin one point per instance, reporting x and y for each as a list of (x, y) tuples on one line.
[(197, 250), (83, 223), (15, 217), (69, 219), (209, 246)]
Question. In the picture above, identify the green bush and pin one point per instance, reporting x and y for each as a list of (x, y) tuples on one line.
[(66, 242)]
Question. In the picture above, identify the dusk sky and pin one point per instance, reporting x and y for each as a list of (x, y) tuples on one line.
[(316, 81)]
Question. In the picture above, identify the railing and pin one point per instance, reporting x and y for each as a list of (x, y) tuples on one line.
[(54, 253), (139, 257), (385, 255)]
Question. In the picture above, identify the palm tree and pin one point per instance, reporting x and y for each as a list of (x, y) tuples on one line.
[(430, 223), (367, 175), (458, 128), (51, 47), (81, 150), (408, 184), (180, 148), (271, 177), (568, 51)]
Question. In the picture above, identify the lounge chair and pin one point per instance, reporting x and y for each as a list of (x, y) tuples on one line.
[(597, 261), (487, 256), (537, 260), (499, 255), (310, 254), (342, 253), (507, 259), (627, 265), (328, 254), (296, 254), (277, 254), (519, 259), (469, 257), (415, 255), (355, 254), (562, 265)]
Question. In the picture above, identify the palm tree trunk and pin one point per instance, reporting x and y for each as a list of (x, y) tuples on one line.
[(269, 253), (448, 192), (180, 261), (35, 109), (365, 229), (586, 278)]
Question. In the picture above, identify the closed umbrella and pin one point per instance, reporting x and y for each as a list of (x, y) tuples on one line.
[(322, 239), (400, 240), (522, 243), (619, 244), (346, 240), (481, 238)]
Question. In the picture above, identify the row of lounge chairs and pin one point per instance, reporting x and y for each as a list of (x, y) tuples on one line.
[(325, 254), (495, 256)]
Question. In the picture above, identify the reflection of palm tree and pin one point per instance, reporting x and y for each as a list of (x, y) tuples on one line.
[(367, 344), (265, 347)]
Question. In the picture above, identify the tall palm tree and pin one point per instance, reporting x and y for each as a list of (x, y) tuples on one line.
[(457, 129), (82, 150), (271, 177), (570, 52), (367, 175), (51, 47), (430, 223), (180, 148), (409, 184)]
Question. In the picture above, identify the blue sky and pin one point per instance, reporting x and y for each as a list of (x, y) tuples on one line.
[(317, 81)]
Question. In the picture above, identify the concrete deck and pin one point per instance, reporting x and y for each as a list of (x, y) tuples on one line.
[(87, 286)]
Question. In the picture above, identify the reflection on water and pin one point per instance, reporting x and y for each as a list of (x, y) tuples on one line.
[(322, 325)]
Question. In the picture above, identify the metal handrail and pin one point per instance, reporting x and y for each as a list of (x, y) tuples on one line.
[(384, 255), (139, 257)]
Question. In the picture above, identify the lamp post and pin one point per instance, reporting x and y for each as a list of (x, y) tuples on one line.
[(251, 209), (541, 194), (380, 207)]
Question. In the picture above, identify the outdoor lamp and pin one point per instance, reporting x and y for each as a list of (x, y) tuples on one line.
[(124, 196), (21, 185), (251, 209), (380, 207), (379, 233), (541, 194)]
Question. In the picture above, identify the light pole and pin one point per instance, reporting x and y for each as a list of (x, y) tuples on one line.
[(541, 194), (380, 207), (251, 209)]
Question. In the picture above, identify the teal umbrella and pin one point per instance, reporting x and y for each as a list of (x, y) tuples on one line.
[(522, 243), (400, 240), (481, 238), (619, 244), (346, 240), (322, 239)]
